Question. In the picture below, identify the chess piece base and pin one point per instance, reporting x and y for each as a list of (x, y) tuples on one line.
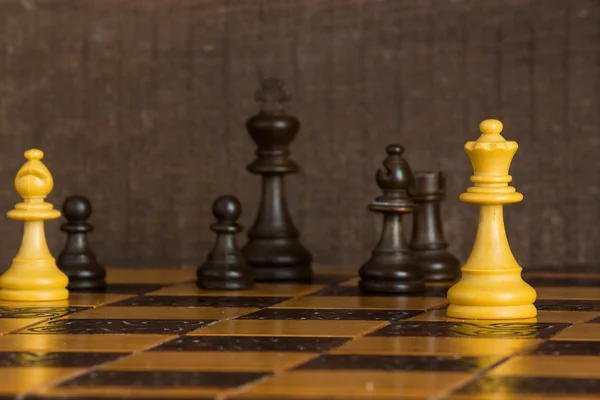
[(28, 280), (220, 277), (219, 284), (79, 282), (389, 273), (83, 272), (86, 284), (278, 273), (397, 287), (34, 295), (278, 260), (438, 265), (492, 312), (491, 294)]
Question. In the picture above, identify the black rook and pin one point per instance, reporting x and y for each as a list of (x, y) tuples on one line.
[(391, 268), (428, 244)]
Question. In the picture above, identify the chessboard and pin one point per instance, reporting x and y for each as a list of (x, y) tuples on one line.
[(152, 334)]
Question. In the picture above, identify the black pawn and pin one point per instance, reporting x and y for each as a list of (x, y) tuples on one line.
[(391, 268), (273, 249), (77, 260), (225, 267), (428, 244)]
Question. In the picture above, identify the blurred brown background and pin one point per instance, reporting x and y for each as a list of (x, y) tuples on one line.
[(140, 105)]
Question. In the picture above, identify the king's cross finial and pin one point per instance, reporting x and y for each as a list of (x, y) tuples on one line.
[(271, 95)]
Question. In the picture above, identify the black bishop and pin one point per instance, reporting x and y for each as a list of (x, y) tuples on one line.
[(391, 268)]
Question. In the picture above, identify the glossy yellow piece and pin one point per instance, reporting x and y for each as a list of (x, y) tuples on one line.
[(491, 286), (543, 316), (33, 275)]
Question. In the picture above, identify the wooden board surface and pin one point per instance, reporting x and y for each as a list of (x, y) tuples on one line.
[(166, 339)]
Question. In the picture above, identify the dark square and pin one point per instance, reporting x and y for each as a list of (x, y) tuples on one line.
[(498, 385), (328, 314), (124, 288), (200, 301), (397, 363), (568, 348), (568, 305), (108, 326), (163, 379), (511, 330), (38, 312), (55, 359), (251, 343), (354, 291)]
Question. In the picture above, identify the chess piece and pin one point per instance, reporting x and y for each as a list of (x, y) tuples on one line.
[(428, 244), (225, 267), (491, 286), (273, 249), (77, 259), (33, 275), (391, 268)]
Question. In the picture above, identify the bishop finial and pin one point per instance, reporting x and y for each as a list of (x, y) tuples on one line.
[(34, 154), (34, 179), (272, 94), (397, 177)]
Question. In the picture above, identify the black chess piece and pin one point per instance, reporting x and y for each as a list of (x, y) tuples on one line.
[(391, 268), (225, 267), (428, 244), (77, 260), (273, 249)]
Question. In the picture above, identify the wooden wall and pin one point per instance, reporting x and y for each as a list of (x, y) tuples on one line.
[(140, 105)]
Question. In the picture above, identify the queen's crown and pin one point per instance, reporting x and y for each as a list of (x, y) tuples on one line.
[(491, 156)]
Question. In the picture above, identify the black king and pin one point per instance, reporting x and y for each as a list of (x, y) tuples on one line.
[(273, 249)]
